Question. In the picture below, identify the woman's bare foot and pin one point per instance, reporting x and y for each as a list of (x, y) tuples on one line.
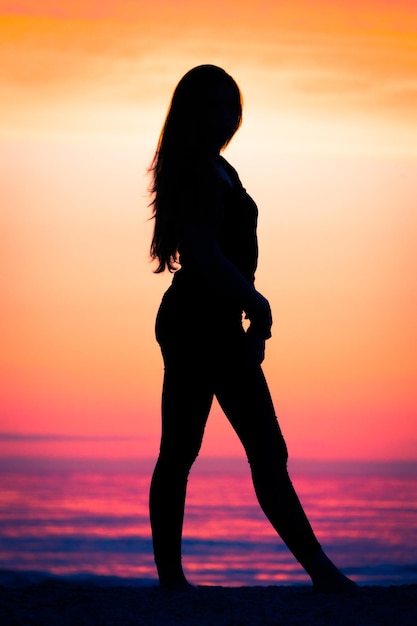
[(335, 584), (326, 577), (178, 586), (172, 578)]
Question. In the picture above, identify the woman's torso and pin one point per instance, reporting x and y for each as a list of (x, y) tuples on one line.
[(196, 314), (236, 234)]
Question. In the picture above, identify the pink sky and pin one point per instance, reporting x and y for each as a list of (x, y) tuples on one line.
[(328, 151)]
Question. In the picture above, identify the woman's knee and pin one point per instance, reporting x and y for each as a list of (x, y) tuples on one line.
[(178, 457), (271, 454)]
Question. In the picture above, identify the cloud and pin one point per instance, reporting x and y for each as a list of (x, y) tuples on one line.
[(104, 55), (76, 9), (52, 437)]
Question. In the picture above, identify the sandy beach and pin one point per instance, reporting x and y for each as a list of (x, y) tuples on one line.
[(55, 601)]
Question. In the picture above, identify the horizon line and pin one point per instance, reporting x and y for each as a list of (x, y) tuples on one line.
[(211, 464)]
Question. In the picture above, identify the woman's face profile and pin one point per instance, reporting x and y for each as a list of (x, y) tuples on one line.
[(222, 114)]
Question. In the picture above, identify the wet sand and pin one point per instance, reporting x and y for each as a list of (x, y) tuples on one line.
[(59, 602)]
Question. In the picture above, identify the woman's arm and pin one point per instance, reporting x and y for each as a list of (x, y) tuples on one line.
[(216, 268)]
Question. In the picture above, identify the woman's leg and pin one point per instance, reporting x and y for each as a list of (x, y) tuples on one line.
[(186, 402), (247, 403), (244, 396)]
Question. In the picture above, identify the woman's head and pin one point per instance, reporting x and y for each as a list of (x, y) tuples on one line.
[(205, 111)]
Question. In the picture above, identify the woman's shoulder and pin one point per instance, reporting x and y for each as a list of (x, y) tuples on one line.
[(230, 172), (228, 167)]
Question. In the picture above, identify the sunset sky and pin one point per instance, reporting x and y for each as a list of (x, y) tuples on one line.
[(328, 149)]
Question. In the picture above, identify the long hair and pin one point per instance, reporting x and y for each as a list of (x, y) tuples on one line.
[(182, 167)]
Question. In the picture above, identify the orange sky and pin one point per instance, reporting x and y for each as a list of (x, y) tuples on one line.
[(328, 149)]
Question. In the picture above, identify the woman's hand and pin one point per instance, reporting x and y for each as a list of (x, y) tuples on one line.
[(260, 316)]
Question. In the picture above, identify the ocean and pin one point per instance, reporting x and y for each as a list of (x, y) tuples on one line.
[(89, 518)]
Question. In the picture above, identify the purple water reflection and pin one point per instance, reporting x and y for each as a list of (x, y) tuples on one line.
[(70, 517)]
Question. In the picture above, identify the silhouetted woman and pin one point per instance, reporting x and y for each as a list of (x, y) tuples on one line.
[(205, 232)]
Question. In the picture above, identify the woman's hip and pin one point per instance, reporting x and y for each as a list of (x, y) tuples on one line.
[(196, 328)]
